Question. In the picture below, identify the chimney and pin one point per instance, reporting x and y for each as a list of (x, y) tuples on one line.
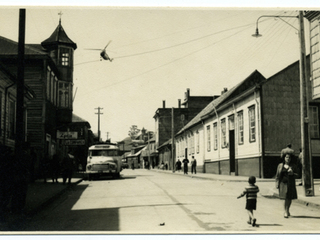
[(224, 90), (163, 104), (179, 103)]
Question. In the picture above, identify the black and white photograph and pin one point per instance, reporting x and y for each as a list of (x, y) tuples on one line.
[(142, 121)]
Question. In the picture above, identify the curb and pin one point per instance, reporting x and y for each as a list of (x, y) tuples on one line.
[(44, 204)]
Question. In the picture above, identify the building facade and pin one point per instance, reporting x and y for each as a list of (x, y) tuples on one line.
[(48, 71), (165, 124), (8, 94), (243, 131)]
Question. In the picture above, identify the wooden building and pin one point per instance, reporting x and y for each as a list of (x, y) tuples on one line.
[(243, 131), (49, 73), (8, 93)]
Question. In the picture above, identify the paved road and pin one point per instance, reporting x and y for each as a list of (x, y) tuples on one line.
[(145, 201)]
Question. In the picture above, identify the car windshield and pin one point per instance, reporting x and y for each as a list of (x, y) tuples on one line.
[(104, 153)]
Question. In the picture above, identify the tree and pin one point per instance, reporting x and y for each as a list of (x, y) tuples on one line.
[(133, 132)]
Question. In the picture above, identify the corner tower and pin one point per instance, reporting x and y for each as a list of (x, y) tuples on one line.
[(61, 50)]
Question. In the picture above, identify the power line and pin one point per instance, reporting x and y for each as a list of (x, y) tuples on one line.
[(175, 60), (180, 44)]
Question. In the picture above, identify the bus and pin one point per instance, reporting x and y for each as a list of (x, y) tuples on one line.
[(103, 160)]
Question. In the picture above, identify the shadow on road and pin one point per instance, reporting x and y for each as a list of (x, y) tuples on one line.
[(266, 225), (304, 217)]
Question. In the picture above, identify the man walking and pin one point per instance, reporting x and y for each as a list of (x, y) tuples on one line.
[(193, 165), (185, 165)]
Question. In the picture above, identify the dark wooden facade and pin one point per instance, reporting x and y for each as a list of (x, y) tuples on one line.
[(48, 71)]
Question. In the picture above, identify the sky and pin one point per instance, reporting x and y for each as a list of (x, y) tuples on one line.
[(159, 52)]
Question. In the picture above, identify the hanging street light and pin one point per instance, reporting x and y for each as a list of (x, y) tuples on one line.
[(304, 104)]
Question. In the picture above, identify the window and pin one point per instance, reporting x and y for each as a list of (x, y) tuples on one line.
[(231, 122), (215, 136), (198, 142), (314, 121), (64, 100), (240, 127), (252, 124), (55, 91), (11, 119), (223, 133), (65, 57), (208, 139), (48, 82), (52, 88), (192, 144)]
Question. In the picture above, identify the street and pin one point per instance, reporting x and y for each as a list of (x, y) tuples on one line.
[(150, 202)]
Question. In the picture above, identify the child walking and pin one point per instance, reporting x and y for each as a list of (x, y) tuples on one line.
[(251, 195)]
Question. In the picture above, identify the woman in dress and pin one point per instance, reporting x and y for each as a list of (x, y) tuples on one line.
[(286, 183)]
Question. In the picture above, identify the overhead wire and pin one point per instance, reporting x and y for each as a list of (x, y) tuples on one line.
[(175, 60), (177, 32), (180, 44), (150, 70), (269, 36)]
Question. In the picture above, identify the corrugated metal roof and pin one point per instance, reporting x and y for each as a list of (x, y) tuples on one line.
[(59, 36), (217, 102), (9, 47), (78, 119)]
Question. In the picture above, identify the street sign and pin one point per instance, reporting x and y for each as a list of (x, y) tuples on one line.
[(67, 135), (74, 142)]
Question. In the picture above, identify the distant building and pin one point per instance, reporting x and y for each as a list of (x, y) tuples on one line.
[(186, 111)]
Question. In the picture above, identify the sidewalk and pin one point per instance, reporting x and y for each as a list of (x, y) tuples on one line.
[(266, 186), (39, 195)]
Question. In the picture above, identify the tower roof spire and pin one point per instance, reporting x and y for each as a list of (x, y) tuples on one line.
[(58, 37), (60, 14)]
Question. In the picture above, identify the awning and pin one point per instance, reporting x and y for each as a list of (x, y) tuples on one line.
[(145, 153), (134, 154)]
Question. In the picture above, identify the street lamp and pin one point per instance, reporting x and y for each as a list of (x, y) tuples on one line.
[(256, 34), (304, 105)]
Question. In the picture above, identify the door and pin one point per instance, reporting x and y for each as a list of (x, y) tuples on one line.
[(232, 152), (232, 145)]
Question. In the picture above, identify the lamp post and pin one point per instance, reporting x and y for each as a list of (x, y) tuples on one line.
[(304, 105)]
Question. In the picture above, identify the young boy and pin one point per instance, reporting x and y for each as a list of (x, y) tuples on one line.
[(251, 194)]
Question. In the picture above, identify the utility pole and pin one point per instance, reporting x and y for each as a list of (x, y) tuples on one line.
[(304, 115), (172, 138), (99, 113), (20, 131), (148, 150), (304, 106)]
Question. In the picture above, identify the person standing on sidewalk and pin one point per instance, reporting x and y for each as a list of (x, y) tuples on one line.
[(67, 167), (55, 168), (193, 165), (300, 166), (185, 165), (286, 183), (251, 196), (178, 165)]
